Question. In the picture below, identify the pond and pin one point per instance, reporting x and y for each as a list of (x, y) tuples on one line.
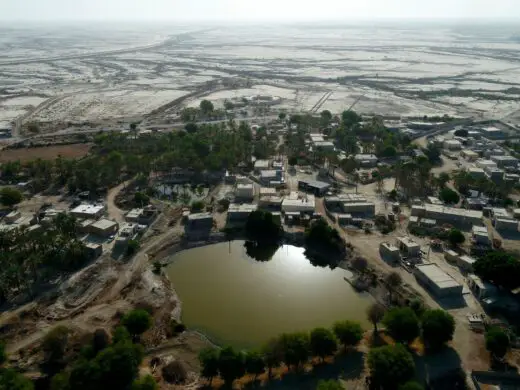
[(236, 300)]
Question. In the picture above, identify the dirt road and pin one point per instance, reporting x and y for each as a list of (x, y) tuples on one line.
[(115, 212)]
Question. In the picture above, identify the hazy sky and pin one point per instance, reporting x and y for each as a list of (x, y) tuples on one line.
[(241, 10)]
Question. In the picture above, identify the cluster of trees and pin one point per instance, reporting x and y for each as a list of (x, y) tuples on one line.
[(324, 245), (464, 182), (116, 157), (447, 195), (404, 325), (500, 268), (103, 363), (10, 196), (413, 177), (497, 342), (292, 349), (33, 257)]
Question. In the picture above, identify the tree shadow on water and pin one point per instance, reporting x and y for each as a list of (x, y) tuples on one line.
[(322, 259), (261, 251), (345, 366)]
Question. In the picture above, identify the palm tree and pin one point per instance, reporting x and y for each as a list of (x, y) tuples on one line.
[(375, 314), (393, 280)]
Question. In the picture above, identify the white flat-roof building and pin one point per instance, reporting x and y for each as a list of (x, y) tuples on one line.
[(92, 211), (477, 173), (316, 137), (466, 263), (389, 252), (327, 145), (448, 214), (261, 165), (437, 281), (295, 203), (480, 235), (482, 163), (245, 191), (452, 144), (367, 209), (104, 227), (408, 246), (510, 225), (268, 191), (469, 155), (240, 212), (504, 161), (366, 160)]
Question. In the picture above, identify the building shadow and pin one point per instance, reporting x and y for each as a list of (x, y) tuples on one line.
[(345, 366)]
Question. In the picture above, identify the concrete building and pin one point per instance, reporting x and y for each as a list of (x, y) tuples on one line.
[(506, 225), (450, 215), (316, 137), (504, 161), (268, 191), (198, 226), (144, 216), (267, 177), (389, 252), (94, 250), (315, 187), (490, 150), (480, 235), (466, 263), (104, 227), (480, 288), (437, 281), (477, 173), (128, 229), (452, 144), (270, 202), (261, 165), (492, 132), (325, 145), (500, 213), (238, 213), (366, 160), (469, 155), (409, 247), (495, 174), (245, 191), (366, 209), (88, 211), (299, 204), (516, 213), (451, 256), (482, 163)]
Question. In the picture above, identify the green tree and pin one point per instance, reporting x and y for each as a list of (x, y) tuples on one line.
[(329, 385), (390, 366), (500, 268), (350, 118), (231, 365), (137, 322), (262, 227), (461, 133), (191, 127), (273, 354), (326, 117), (206, 106), (322, 342), (449, 196), (402, 324), (437, 328), (497, 342), (197, 206), (456, 237), (54, 346), (411, 386), (254, 363), (209, 362), (349, 333), (146, 382), (10, 196), (100, 340), (11, 380), (120, 335), (296, 348), (293, 160), (118, 365), (375, 314), (60, 381), (393, 281), (324, 244), (141, 198), (442, 179)]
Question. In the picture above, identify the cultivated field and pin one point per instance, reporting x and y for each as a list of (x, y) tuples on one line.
[(45, 152)]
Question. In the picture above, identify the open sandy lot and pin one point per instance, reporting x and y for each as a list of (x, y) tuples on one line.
[(45, 153)]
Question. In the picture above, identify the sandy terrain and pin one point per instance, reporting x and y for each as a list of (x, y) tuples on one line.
[(104, 72), (45, 153)]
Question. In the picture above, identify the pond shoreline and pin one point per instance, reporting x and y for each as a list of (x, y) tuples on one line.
[(168, 255)]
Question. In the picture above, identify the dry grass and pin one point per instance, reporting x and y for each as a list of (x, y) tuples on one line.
[(45, 152)]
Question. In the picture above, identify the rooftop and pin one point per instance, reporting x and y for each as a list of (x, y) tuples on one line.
[(480, 229), (433, 208), (267, 191), (437, 275), (242, 208), (199, 216), (268, 173), (261, 163), (88, 209), (365, 157), (104, 224), (315, 183), (407, 241)]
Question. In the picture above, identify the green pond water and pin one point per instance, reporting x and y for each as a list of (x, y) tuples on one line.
[(236, 300)]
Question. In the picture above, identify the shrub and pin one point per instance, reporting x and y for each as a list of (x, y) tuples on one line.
[(175, 372), (402, 324)]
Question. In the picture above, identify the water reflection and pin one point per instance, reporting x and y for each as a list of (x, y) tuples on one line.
[(260, 251)]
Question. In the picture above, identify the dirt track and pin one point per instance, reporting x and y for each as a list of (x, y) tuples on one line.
[(45, 153)]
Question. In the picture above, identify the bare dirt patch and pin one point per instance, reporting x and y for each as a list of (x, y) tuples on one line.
[(45, 153)]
